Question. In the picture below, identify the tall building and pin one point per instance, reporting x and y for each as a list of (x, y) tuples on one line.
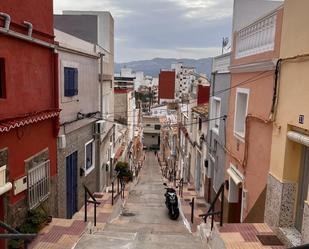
[(29, 111), (97, 27), (185, 80), (287, 208), (78, 145), (255, 50), (166, 86)]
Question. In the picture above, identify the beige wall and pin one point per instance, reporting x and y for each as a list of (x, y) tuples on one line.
[(294, 91)]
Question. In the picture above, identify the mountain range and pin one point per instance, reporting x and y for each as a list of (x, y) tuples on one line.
[(152, 67)]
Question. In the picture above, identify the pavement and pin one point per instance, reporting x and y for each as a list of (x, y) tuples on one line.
[(65, 233), (144, 221)]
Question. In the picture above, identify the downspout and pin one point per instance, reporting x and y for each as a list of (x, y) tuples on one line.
[(7, 20), (101, 83), (55, 57)]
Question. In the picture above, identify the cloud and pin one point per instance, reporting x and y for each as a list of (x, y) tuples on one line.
[(162, 28), (207, 10)]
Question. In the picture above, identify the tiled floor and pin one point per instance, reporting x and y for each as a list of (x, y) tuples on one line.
[(238, 236), (65, 233)]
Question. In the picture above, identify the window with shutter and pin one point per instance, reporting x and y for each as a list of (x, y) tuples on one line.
[(70, 81)]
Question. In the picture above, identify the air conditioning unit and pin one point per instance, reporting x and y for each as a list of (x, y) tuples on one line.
[(99, 127), (61, 141)]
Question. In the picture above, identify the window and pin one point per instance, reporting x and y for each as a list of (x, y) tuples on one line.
[(148, 125), (216, 110), (2, 78), (89, 156), (242, 96), (70, 81), (157, 127), (38, 184)]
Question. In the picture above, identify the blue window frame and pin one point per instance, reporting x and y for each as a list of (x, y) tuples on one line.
[(70, 81)]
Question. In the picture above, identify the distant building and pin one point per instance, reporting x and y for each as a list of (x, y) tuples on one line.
[(166, 86), (186, 78), (151, 131)]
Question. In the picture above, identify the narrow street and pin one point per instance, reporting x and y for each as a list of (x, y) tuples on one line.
[(144, 222)]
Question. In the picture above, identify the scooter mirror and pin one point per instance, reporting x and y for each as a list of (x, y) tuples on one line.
[(165, 184)]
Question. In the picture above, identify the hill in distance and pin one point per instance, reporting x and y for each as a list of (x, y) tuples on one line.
[(152, 67)]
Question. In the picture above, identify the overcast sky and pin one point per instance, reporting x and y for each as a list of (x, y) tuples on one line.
[(145, 29)]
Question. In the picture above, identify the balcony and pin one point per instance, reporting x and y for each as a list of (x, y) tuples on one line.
[(258, 37)]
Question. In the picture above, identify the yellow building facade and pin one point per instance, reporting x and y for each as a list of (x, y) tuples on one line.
[(287, 198)]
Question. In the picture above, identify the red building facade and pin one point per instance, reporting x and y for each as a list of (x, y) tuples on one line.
[(28, 109), (203, 94), (166, 85)]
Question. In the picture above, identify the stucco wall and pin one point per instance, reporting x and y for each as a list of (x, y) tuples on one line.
[(293, 87), (87, 100)]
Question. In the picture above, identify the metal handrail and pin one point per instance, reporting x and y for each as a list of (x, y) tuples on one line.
[(113, 182), (93, 201), (211, 211), (14, 234)]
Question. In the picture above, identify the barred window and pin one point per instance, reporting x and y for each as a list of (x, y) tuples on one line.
[(38, 184)]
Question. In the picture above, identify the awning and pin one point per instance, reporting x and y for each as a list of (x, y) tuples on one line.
[(235, 175), (298, 138), (8, 124)]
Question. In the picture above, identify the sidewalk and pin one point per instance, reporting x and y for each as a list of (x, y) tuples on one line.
[(65, 233)]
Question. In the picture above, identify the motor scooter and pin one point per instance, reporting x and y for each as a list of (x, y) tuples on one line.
[(171, 202)]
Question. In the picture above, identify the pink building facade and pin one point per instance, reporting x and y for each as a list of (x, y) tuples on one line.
[(249, 127)]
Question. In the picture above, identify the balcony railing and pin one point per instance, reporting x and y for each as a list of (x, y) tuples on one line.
[(258, 37)]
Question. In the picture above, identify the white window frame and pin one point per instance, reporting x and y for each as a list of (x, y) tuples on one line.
[(3, 174), (214, 114), (238, 134), (87, 171)]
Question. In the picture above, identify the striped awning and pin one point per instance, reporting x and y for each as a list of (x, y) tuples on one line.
[(9, 124)]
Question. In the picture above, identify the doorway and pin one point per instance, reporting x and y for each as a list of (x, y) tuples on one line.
[(71, 177), (303, 188)]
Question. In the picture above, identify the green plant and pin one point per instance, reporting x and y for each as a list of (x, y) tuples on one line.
[(37, 216), (122, 168), (15, 243), (32, 224)]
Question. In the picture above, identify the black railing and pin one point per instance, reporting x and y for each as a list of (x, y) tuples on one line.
[(93, 201), (192, 210), (113, 187), (122, 185), (211, 211), (14, 234)]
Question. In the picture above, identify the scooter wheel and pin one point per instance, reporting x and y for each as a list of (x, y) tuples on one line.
[(175, 215)]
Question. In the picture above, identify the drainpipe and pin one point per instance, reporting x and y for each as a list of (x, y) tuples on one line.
[(30, 27), (7, 20), (101, 83)]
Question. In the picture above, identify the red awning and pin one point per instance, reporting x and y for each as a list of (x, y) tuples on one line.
[(8, 124)]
